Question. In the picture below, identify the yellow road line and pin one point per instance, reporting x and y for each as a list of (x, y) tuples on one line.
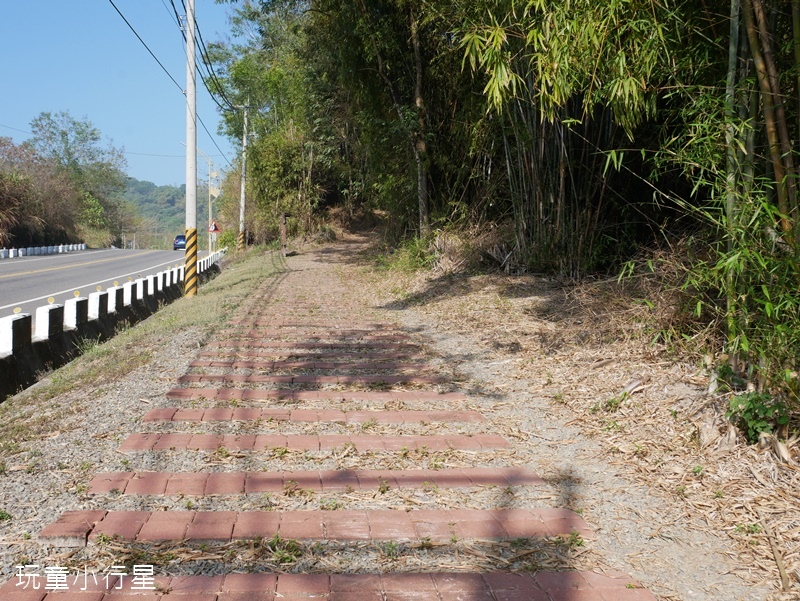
[(60, 267)]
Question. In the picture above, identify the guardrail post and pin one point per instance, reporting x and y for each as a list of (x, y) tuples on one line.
[(139, 285), (98, 305), (76, 312), (127, 297), (15, 333), (116, 298), (49, 322), (151, 285), (160, 276)]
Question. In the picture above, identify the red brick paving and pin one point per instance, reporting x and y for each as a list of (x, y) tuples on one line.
[(315, 442), (311, 365), (308, 356), (348, 347), (308, 379), (234, 394), (321, 345), (72, 528), (175, 414), (493, 586)]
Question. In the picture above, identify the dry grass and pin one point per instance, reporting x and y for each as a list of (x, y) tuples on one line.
[(597, 351)]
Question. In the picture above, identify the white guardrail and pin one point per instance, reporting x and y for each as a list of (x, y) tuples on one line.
[(52, 320), (33, 251)]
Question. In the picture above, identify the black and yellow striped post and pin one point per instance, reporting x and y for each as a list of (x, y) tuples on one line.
[(190, 266), (240, 241)]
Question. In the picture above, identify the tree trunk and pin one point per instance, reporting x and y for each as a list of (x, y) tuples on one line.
[(769, 115), (731, 168), (781, 122), (420, 143)]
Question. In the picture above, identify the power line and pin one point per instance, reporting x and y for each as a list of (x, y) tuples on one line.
[(168, 74), (205, 62), (145, 45), (16, 129)]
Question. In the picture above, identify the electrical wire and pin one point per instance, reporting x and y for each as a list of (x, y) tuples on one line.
[(169, 75), (16, 129), (205, 62), (144, 44)]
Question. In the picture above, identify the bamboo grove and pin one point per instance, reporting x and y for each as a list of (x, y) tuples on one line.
[(586, 131)]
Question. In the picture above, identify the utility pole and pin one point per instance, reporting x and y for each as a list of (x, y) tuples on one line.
[(240, 239), (210, 163), (190, 265)]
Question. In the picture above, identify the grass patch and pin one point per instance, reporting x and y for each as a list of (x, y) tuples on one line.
[(33, 413)]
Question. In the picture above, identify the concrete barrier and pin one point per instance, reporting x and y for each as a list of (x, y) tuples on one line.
[(61, 331), (76, 312), (35, 251)]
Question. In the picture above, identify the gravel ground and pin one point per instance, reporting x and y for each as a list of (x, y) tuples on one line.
[(638, 528)]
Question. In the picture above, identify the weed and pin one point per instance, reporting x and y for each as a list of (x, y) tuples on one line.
[(697, 470), (391, 549), (284, 551), (680, 490), (383, 486), (718, 494), (189, 504), (3, 468), (748, 529), (575, 540), (102, 539), (757, 412), (430, 487), (369, 424), (280, 452), (222, 452), (4, 516), (559, 398), (26, 536), (292, 489), (330, 504), (609, 405), (425, 543), (85, 466)]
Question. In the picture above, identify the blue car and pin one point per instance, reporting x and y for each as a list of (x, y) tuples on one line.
[(179, 243)]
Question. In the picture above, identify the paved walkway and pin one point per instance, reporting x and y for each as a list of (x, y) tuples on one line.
[(310, 344)]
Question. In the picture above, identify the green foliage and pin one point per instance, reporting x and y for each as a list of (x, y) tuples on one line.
[(757, 412), (227, 239), (412, 254)]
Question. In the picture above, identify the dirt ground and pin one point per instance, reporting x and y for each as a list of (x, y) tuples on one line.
[(622, 432), (643, 450)]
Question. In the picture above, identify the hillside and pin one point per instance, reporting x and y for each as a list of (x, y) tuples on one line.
[(161, 211)]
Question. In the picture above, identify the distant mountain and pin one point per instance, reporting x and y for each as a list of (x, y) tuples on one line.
[(162, 212)]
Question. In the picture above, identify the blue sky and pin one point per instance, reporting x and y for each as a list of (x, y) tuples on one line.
[(80, 56)]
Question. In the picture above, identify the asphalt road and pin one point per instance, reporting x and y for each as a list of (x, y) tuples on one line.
[(27, 282)]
